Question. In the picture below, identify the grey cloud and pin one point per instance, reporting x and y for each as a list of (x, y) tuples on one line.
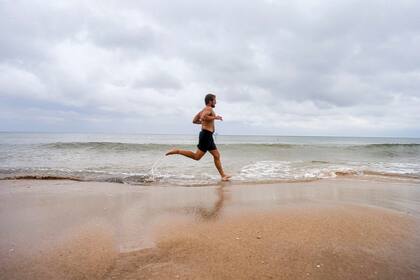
[(158, 81), (139, 38), (318, 57)]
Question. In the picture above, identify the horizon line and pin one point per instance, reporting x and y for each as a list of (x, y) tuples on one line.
[(185, 134)]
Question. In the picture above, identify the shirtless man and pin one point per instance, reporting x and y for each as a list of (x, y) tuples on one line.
[(206, 118)]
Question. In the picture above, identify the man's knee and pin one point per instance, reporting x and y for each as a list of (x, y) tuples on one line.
[(197, 156), (216, 157)]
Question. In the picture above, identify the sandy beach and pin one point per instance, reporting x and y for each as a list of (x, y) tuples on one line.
[(344, 228)]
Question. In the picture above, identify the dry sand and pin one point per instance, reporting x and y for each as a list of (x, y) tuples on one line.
[(338, 229)]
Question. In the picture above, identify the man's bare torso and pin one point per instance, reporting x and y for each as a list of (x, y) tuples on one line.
[(207, 124)]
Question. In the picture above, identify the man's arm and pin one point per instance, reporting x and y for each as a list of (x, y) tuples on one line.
[(197, 119)]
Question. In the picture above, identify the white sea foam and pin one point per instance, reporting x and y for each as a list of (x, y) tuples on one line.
[(285, 170)]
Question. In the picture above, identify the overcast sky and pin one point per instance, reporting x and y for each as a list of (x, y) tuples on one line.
[(349, 68)]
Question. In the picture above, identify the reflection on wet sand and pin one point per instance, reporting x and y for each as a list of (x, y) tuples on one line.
[(215, 211)]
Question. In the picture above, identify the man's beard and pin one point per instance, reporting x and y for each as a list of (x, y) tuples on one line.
[(212, 105)]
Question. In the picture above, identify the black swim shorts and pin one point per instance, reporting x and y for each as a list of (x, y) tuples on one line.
[(206, 142)]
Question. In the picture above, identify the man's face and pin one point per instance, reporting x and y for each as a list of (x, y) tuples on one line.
[(213, 103)]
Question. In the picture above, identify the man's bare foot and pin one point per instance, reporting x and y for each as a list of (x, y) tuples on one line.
[(226, 178), (172, 152)]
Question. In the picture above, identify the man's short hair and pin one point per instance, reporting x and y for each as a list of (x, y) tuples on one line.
[(209, 97)]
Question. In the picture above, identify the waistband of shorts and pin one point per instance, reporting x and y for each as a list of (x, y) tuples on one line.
[(207, 131)]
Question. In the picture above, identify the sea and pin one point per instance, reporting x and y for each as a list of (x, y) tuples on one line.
[(139, 159)]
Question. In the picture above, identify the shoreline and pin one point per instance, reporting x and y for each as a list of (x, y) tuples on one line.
[(339, 175), (100, 230)]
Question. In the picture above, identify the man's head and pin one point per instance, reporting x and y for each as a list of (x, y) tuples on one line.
[(210, 100)]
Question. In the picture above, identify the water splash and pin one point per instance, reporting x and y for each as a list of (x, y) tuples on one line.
[(154, 167)]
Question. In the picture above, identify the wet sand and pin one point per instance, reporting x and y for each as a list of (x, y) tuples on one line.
[(329, 229)]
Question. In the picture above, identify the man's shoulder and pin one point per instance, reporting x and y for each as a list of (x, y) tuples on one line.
[(207, 110)]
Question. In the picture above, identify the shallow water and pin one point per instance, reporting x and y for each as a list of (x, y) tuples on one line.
[(139, 159)]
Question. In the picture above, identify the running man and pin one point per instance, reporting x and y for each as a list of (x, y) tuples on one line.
[(206, 118)]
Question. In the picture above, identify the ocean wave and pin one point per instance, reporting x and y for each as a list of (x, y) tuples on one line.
[(286, 170), (122, 145), (134, 180), (195, 182), (387, 150), (386, 147), (392, 174), (257, 172), (40, 177), (110, 146), (391, 145), (154, 146), (298, 170)]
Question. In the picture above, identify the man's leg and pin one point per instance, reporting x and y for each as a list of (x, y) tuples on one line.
[(196, 156), (218, 163)]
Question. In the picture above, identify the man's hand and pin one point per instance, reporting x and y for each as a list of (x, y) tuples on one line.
[(218, 118)]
